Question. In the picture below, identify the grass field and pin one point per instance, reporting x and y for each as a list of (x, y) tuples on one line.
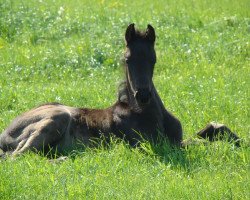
[(70, 52)]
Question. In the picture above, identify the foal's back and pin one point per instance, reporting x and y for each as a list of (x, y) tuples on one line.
[(52, 125)]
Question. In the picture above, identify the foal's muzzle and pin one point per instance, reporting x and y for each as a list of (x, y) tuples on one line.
[(143, 96)]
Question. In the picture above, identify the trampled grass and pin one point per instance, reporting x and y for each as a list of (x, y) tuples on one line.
[(70, 52)]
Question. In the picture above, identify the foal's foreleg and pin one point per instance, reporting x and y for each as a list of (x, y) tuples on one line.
[(214, 131)]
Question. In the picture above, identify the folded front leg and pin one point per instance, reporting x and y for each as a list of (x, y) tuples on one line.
[(215, 131)]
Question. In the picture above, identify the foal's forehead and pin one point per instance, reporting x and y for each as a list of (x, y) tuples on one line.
[(139, 47)]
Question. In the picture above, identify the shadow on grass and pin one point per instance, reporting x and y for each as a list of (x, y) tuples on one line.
[(188, 159), (162, 151)]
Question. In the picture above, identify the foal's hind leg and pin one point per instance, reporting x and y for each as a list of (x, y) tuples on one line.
[(214, 131), (44, 134)]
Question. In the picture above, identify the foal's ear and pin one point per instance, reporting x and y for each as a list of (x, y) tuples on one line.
[(150, 33), (130, 33)]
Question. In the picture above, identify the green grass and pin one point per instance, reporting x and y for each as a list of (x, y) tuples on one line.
[(70, 52)]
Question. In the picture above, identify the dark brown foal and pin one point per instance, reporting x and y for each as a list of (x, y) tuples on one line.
[(138, 113)]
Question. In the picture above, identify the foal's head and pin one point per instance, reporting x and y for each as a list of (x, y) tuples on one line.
[(140, 59)]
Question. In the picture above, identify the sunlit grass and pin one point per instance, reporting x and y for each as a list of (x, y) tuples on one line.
[(70, 52)]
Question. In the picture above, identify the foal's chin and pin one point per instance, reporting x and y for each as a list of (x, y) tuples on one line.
[(143, 97)]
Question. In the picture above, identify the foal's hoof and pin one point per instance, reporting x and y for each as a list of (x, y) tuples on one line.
[(215, 131), (1, 152)]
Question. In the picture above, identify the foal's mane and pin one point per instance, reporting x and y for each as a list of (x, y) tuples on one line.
[(122, 92)]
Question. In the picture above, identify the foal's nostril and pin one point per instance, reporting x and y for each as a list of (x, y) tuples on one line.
[(143, 96)]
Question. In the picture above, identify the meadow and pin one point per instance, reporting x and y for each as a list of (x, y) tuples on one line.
[(71, 51)]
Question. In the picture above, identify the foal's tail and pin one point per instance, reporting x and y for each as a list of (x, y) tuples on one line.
[(214, 132)]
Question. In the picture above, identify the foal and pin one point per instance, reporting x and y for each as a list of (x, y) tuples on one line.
[(138, 113)]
